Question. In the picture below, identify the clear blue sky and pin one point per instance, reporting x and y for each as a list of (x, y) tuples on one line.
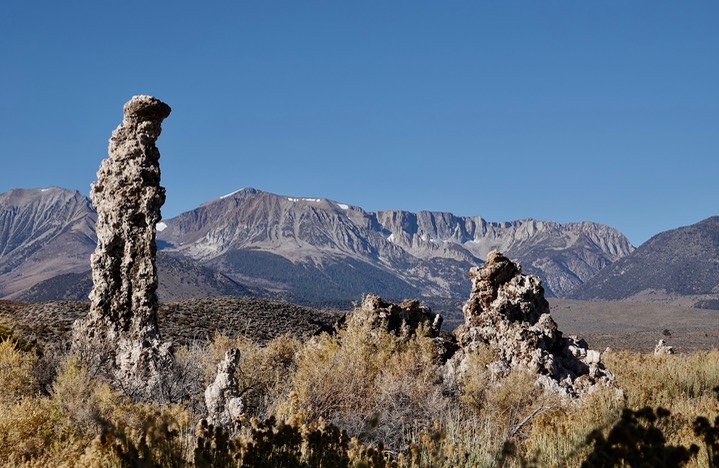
[(603, 111)]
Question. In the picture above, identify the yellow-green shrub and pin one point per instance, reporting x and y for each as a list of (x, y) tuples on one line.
[(367, 381), (16, 373)]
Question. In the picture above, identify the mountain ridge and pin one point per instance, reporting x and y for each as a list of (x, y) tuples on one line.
[(309, 250), (395, 240), (37, 223), (679, 262)]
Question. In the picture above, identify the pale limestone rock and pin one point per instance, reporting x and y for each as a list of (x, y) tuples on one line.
[(402, 318), (222, 397), (663, 349), (507, 311), (127, 196), (405, 319)]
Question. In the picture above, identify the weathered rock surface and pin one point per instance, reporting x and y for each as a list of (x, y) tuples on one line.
[(405, 319), (402, 318), (127, 197), (507, 311), (663, 349), (222, 397)]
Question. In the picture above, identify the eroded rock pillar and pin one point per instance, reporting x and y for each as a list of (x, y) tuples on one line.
[(122, 322)]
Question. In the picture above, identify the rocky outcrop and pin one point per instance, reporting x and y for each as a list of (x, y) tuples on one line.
[(663, 349), (405, 319), (127, 196), (222, 397), (402, 318), (507, 311)]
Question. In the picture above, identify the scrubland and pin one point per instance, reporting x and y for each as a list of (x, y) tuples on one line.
[(358, 397)]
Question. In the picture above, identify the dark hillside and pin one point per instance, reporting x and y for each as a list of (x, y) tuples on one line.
[(183, 321), (682, 262)]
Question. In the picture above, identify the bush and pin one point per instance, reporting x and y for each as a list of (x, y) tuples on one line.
[(367, 382), (17, 378), (361, 397)]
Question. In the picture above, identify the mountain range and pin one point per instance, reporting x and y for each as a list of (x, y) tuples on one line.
[(43, 233), (321, 252), (309, 250), (317, 247), (679, 263)]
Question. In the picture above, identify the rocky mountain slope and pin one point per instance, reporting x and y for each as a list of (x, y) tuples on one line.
[(46, 239), (679, 262), (303, 244), (179, 279), (43, 233), (308, 250)]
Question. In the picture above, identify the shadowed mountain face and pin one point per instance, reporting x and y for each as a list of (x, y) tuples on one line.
[(179, 279), (321, 242), (43, 233), (307, 250), (680, 262)]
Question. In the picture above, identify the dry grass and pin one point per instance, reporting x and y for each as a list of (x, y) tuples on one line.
[(359, 396)]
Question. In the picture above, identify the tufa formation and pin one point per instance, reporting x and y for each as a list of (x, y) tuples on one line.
[(122, 322), (222, 397), (663, 349), (400, 319), (405, 319), (507, 311)]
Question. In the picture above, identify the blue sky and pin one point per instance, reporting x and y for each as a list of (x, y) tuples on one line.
[(603, 111)]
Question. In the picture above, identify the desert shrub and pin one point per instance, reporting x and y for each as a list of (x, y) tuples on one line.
[(650, 380), (361, 397), (457, 438), (559, 435), (284, 444), (79, 400), (84, 422), (17, 377), (682, 384), (514, 402), (477, 379), (141, 434), (637, 439), (369, 382), (263, 373), (491, 423), (28, 431), (8, 331)]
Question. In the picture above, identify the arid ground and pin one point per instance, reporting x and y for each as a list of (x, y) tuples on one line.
[(637, 325)]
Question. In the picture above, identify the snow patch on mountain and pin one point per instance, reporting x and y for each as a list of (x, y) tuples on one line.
[(231, 193), (312, 200)]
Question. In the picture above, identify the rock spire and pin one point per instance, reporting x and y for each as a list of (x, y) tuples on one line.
[(222, 396), (127, 197)]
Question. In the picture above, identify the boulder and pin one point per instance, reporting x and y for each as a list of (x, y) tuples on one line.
[(403, 318)]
